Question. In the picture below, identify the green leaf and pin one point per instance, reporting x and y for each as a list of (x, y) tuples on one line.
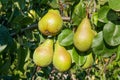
[(21, 4), (26, 21), (54, 4), (23, 55), (66, 37), (17, 19), (5, 67), (111, 34), (94, 18), (102, 2), (2, 47), (114, 4), (78, 13), (5, 38), (43, 1), (22, 20), (102, 14), (118, 54), (78, 59), (113, 14), (99, 47)]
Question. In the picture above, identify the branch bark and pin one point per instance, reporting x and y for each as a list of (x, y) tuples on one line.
[(111, 59), (34, 26)]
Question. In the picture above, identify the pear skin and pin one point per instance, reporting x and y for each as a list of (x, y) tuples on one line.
[(62, 59), (43, 54), (51, 23), (83, 36)]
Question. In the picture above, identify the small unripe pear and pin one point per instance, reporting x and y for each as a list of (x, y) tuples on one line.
[(62, 58), (51, 23), (83, 36), (43, 54)]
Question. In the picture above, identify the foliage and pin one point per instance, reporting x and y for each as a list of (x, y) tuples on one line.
[(19, 36)]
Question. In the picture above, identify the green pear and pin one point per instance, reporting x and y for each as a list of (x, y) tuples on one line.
[(83, 36), (51, 23), (89, 61), (43, 54), (62, 59)]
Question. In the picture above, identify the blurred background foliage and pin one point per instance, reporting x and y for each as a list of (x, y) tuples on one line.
[(19, 36)]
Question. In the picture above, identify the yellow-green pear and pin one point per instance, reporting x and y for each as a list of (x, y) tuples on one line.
[(89, 61), (51, 23), (83, 36), (62, 59), (43, 54)]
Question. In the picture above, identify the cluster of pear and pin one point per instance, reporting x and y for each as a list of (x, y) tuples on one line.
[(45, 53)]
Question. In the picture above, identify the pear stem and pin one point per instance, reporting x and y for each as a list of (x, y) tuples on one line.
[(33, 73), (87, 11), (36, 68)]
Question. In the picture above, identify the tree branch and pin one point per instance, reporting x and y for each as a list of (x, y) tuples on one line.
[(34, 26), (111, 59)]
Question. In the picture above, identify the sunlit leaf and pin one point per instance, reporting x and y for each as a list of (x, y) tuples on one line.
[(102, 14), (78, 59), (118, 54), (54, 3), (114, 4), (2, 47), (101, 48), (111, 34), (78, 13), (94, 18), (66, 37)]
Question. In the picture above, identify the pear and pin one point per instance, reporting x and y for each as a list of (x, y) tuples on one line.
[(43, 54), (62, 59), (51, 23), (89, 61), (83, 36)]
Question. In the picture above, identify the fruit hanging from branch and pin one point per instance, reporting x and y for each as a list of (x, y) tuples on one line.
[(43, 54), (62, 59), (83, 36), (51, 23)]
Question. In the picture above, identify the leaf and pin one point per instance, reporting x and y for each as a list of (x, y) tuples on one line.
[(99, 47), (79, 60), (66, 37), (78, 13), (94, 18), (23, 55), (118, 54), (5, 67), (21, 4), (26, 21), (102, 2), (2, 47), (102, 14), (5, 38), (17, 19), (111, 34), (114, 4), (22, 20), (54, 4), (113, 14), (43, 1)]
